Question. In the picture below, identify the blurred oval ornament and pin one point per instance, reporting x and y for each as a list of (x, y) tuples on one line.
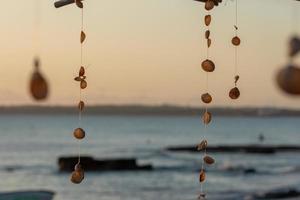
[(77, 176), (79, 4), (82, 37), (209, 160), (207, 116), (288, 79), (38, 84), (83, 84), (209, 4), (236, 41), (208, 65), (79, 133), (202, 176), (203, 145), (206, 98), (207, 20), (234, 93)]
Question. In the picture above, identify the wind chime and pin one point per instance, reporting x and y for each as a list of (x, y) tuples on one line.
[(38, 85), (77, 175), (234, 93), (208, 66)]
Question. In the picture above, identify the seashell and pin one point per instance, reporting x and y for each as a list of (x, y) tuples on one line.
[(207, 20), (203, 145), (208, 42), (83, 84), (208, 65), (207, 117), (209, 4), (207, 34), (82, 37), (81, 105), (38, 86), (202, 196), (78, 78), (79, 3), (236, 41), (208, 160), (77, 177), (79, 133), (202, 176), (288, 79), (234, 93), (236, 78), (294, 46), (206, 98), (81, 71)]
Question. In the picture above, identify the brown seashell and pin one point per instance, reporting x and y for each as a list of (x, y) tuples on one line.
[(202, 176), (83, 84), (207, 34), (209, 4), (234, 93), (208, 65), (82, 37), (236, 41), (79, 3), (81, 105), (288, 79), (294, 46), (81, 71), (209, 160), (79, 133), (38, 86), (207, 20), (77, 177), (206, 98), (208, 42), (78, 78), (203, 145), (236, 78), (207, 117)]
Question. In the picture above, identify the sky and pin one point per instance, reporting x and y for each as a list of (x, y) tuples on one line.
[(146, 51)]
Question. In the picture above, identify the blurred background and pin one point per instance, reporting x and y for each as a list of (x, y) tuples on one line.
[(143, 60)]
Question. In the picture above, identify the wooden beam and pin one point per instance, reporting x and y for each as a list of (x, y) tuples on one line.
[(61, 3)]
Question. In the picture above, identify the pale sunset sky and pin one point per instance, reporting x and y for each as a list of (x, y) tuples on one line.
[(146, 51)]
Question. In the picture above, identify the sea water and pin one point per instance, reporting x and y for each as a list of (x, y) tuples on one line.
[(31, 144)]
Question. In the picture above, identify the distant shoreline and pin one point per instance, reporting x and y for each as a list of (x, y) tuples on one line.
[(168, 110)]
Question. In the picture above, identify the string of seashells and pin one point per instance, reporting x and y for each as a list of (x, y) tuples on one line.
[(77, 175), (234, 93), (208, 66)]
